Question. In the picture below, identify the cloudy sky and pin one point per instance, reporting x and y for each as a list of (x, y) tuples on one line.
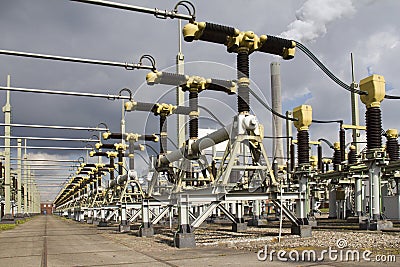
[(331, 29)]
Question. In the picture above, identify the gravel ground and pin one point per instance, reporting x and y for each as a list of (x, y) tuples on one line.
[(255, 239)]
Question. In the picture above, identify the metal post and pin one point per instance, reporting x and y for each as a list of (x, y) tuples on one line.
[(7, 157), (180, 96), (276, 106), (358, 195), (301, 211), (25, 182), (146, 229), (184, 237), (289, 132), (375, 192), (332, 202), (123, 123), (19, 179), (355, 113)]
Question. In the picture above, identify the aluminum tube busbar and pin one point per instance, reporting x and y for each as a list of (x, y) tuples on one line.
[(205, 142), (77, 60), (153, 11)]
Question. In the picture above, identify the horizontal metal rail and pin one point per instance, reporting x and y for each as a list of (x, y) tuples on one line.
[(54, 127), (65, 93), (76, 59), (153, 11), (50, 147), (49, 160), (49, 138)]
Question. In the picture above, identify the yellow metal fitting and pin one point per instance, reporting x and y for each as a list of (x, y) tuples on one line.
[(151, 77), (193, 31), (165, 109), (99, 165), (196, 83), (327, 161), (248, 40), (314, 161), (141, 147), (92, 153), (374, 85), (244, 81), (392, 133), (120, 146), (132, 136), (303, 114), (156, 138), (106, 135), (352, 147), (130, 105), (98, 145), (336, 145), (131, 155), (194, 114), (357, 127), (112, 154), (288, 53)]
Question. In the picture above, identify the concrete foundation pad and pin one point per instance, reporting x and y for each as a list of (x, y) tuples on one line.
[(257, 222), (102, 224), (123, 228), (185, 240), (376, 225), (144, 232), (19, 216), (239, 227), (301, 230), (7, 219), (312, 223), (89, 221)]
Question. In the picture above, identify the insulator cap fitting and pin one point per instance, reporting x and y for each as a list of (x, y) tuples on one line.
[(374, 85), (151, 77), (193, 31), (392, 134), (303, 114), (106, 135), (336, 145), (130, 105)]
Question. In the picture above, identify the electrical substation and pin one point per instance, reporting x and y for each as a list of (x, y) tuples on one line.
[(196, 178)]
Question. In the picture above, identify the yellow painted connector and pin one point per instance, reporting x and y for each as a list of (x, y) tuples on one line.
[(132, 137), (106, 135), (303, 114), (374, 85), (392, 134), (112, 154), (120, 146), (165, 109), (130, 105), (336, 146)]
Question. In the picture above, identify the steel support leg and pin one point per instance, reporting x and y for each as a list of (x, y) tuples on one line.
[(184, 237), (146, 229), (239, 225)]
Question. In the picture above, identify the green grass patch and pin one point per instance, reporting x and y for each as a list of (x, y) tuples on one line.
[(22, 221), (4, 227)]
